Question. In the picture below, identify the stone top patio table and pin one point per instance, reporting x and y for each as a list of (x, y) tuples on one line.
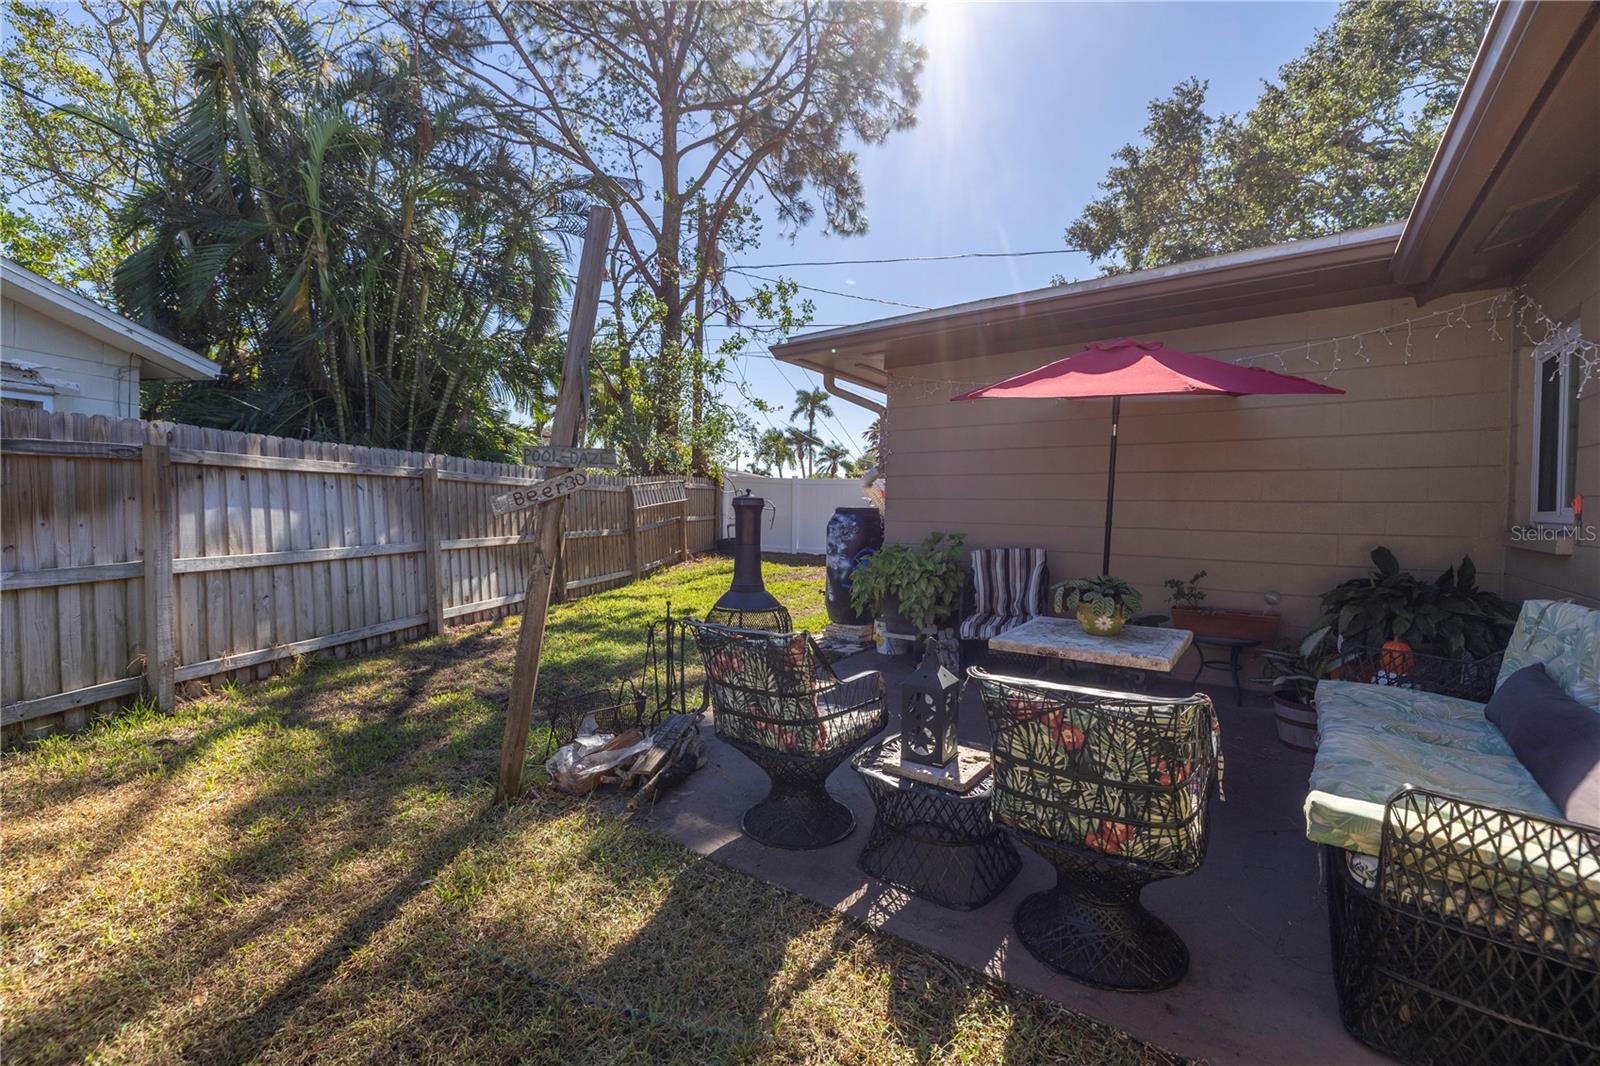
[(1136, 647)]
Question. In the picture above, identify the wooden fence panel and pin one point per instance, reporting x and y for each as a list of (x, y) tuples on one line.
[(268, 548)]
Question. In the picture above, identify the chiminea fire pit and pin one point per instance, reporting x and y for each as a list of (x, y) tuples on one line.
[(747, 604)]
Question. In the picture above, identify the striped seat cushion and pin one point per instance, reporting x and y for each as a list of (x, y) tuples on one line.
[(1008, 587)]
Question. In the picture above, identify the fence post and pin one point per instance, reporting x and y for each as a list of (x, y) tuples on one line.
[(633, 532), (155, 514), (794, 516), (431, 554), (683, 525)]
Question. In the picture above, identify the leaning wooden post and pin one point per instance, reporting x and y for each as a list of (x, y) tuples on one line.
[(565, 430), (155, 514)]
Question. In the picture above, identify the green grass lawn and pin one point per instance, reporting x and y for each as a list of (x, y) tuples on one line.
[(312, 868)]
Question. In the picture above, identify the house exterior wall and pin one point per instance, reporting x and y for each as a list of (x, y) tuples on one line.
[(1565, 281), (107, 379), (1270, 495)]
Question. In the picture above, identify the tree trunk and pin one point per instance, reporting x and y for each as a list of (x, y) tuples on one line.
[(699, 460)]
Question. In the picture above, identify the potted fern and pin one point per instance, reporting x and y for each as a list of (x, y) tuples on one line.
[(915, 589), (1103, 604)]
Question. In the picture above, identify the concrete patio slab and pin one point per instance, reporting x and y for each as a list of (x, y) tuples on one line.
[(1259, 988)]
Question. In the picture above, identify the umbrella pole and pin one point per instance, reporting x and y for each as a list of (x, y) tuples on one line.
[(1111, 485)]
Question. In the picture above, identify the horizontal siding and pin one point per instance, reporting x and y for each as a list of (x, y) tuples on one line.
[(1566, 282), (1270, 495), (107, 379)]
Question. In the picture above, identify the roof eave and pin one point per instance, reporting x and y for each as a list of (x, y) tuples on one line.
[(1508, 77), (162, 357), (1374, 244)]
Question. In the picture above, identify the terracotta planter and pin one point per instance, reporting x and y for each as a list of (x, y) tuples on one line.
[(1235, 625), (1297, 723)]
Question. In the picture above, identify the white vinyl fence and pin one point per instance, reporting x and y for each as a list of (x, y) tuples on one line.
[(796, 520)]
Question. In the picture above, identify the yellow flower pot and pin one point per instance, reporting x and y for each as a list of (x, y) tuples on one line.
[(1101, 625)]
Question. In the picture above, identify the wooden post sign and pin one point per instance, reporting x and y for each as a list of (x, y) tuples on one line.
[(541, 492), (554, 455), (566, 430)]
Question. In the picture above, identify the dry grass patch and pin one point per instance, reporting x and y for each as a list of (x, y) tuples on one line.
[(311, 868)]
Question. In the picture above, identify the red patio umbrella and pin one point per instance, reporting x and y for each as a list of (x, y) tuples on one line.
[(1138, 368)]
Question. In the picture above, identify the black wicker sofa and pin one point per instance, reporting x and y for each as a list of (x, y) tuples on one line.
[(1464, 905)]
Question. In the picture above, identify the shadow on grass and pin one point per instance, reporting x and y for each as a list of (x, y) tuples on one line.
[(383, 762), (326, 774)]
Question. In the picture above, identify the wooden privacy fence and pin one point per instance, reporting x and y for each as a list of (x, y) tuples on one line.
[(266, 548)]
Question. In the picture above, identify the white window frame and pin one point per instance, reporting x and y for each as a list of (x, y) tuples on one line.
[(28, 392), (1562, 515)]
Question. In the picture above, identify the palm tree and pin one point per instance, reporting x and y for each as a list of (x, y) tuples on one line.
[(810, 404), (836, 456), (773, 449), (803, 444), (364, 261)]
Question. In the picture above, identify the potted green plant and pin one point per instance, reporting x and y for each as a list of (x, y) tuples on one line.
[(1103, 604), (1293, 672), (1394, 610), (1188, 612), (915, 589)]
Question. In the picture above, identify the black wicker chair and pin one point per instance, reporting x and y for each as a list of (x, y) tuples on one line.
[(775, 698), (1111, 788), (1474, 937)]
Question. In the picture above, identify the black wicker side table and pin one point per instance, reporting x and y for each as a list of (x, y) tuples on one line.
[(930, 841)]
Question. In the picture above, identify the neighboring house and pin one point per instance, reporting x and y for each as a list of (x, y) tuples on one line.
[(64, 352), (1451, 438)]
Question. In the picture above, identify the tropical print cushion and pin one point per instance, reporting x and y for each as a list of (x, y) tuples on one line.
[(1565, 638), (1373, 740), (1348, 706), (773, 690), (1117, 773)]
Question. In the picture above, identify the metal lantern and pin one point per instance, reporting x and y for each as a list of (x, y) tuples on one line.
[(929, 701)]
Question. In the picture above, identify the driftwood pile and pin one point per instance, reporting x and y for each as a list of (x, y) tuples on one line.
[(630, 760)]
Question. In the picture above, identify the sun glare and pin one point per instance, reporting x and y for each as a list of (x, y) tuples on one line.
[(946, 25), (943, 26)]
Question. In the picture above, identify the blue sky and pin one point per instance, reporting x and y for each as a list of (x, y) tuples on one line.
[(1022, 106)]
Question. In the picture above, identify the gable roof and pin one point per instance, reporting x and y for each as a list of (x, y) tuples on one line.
[(1520, 157), (161, 358)]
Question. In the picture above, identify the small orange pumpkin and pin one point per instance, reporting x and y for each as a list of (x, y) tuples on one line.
[(1396, 658)]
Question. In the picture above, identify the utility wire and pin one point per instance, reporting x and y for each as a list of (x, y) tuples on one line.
[(389, 235), (836, 423), (830, 292), (912, 258)]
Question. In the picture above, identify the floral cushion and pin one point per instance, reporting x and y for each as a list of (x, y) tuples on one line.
[(1566, 639), (1373, 740), (1116, 773), (773, 690)]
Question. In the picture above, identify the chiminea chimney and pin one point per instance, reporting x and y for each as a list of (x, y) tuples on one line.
[(747, 604)]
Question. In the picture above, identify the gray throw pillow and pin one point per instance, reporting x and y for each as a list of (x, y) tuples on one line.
[(1555, 737)]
